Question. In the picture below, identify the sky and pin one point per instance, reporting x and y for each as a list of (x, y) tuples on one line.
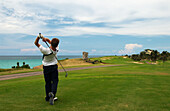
[(100, 27)]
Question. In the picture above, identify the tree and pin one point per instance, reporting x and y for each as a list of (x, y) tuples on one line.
[(154, 55), (136, 57), (164, 55), (143, 55)]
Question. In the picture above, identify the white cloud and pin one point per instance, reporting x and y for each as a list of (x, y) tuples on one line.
[(70, 51), (29, 50), (148, 17), (129, 48), (93, 50)]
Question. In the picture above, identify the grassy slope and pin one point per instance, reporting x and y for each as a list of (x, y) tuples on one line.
[(19, 71), (121, 88), (36, 70), (70, 63)]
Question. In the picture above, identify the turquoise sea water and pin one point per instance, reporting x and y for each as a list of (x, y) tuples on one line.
[(9, 61)]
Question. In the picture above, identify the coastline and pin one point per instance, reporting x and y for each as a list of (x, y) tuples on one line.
[(6, 62)]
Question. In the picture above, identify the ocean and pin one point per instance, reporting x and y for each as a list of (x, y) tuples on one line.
[(7, 62)]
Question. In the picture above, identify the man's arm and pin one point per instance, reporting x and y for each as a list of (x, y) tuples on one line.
[(43, 38), (48, 40), (37, 42)]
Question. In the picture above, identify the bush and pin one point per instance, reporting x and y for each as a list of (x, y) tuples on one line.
[(153, 55), (136, 57)]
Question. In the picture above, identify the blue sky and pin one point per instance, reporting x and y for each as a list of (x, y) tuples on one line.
[(109, 27)]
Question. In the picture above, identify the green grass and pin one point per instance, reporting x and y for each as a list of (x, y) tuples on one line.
[(132, 87), (114, 60), (23, 70), (17, 71)]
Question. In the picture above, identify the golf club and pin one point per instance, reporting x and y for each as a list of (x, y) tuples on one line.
[(55, 56)]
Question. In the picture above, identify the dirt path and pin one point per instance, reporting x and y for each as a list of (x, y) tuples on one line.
[(13, 76)]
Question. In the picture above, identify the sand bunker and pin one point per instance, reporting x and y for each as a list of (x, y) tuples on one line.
[(138, 62)]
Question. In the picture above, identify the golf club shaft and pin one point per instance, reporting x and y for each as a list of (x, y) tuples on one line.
[(57, 60)]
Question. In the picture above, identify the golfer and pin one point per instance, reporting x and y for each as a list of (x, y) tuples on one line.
[(50, 67)]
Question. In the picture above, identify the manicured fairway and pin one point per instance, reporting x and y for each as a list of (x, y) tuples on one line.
[(129, 87), (121, 88)]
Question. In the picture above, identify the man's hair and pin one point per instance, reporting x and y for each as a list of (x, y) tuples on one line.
[(54, 42)]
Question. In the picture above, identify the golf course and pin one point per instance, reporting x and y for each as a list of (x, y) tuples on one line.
[(129, 86)]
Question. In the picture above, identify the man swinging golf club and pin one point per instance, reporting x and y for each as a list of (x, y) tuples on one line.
[(50, 67)]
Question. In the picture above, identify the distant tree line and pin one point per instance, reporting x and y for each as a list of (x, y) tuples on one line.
[(152, 55), (23, 66)]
